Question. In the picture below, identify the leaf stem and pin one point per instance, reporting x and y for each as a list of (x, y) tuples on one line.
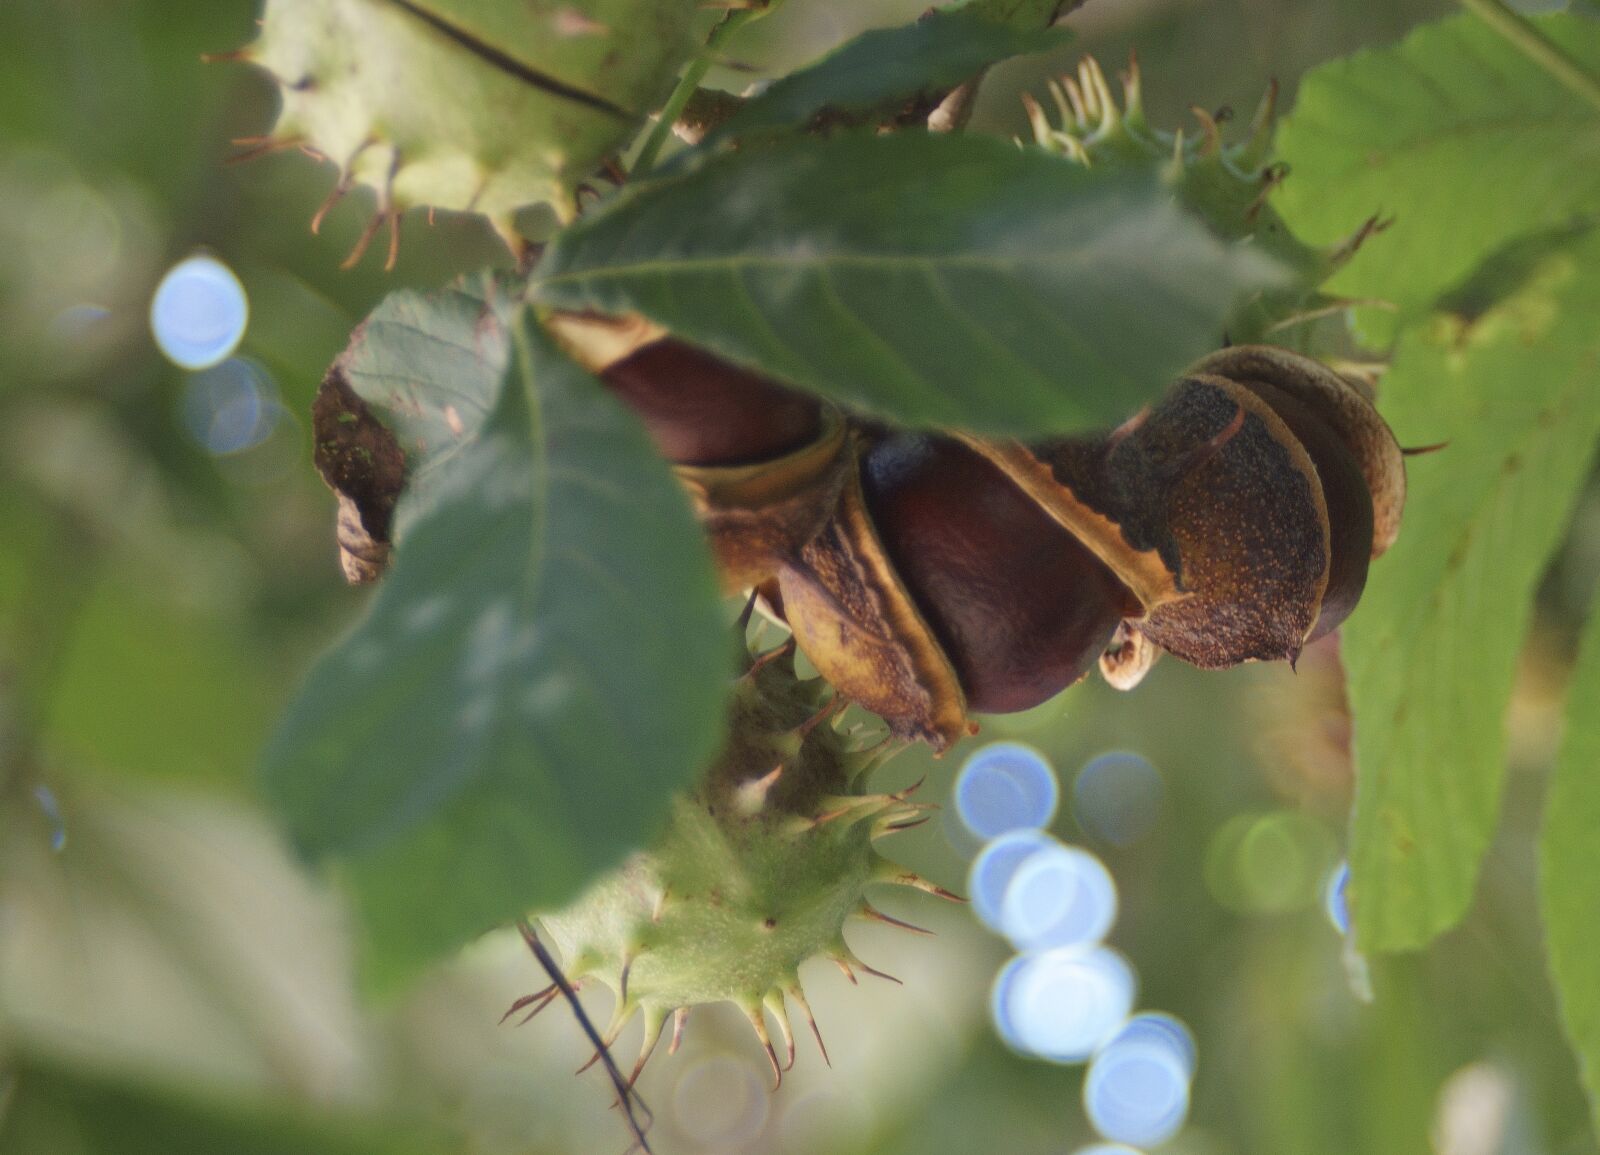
[(730, 23), (1523, 35)]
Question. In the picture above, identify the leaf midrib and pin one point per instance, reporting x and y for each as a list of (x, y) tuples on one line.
[(1075, 257)]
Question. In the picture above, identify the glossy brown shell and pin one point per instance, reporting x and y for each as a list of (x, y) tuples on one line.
[(1021, 607)]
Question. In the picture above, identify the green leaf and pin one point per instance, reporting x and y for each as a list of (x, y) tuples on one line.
[(1431, 654), (430, 365), (1454, 134), (239, 960), (1021, 13), (52, 1109), (542, 668), (933, 280), (1570, 862), (889, 69), (135, 657)]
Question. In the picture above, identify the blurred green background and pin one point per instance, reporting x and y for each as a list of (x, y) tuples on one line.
[(170, 981)]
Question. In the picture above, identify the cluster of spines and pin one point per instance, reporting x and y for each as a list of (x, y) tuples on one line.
[(876, 815), (1092, 124), (388, 212), (473, 106), (1228, 184)]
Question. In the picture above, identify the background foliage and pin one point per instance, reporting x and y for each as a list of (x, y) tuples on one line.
[(170, 978)]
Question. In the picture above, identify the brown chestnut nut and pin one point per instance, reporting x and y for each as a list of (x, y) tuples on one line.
[(939, 587), (764, 465), (1021, 607), (701, 410), (926, 575)]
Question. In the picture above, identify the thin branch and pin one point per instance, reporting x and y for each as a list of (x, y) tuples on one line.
[(730, 23), (626, 1095)]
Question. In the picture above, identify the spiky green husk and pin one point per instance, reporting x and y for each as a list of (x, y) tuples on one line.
[(1226, 184), (481, 105), (758, 870)]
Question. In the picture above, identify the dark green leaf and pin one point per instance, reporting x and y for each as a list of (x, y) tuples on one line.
[(430, 366), (890, 69), (1455, 134), (935, 280), (542, 668), (1021, 13), (1432, 651), (56, 1111), (134, 658), (1570, 862), (192, 903)]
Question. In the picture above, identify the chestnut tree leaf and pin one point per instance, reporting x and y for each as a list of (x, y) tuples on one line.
[(1432, 651), (925, 278), (1021, 13), (889, 70), (429, 365), (409, 393), (1570, 862), (542, 668), (52, 1107), (1454, 134)]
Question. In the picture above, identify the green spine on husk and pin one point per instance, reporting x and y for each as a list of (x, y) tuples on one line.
[(1226, 184), (758, 870), (473, 105)]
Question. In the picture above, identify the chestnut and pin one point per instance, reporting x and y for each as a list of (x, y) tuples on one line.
[(1021, 607), (702, 410)]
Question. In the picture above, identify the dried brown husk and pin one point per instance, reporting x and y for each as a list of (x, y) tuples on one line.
[(363, 464), (597, 342), (1208, 508), (1349, 504), (1344, 406), (857, 623), (757, 516)]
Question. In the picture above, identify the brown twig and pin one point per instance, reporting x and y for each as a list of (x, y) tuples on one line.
[(628, 1097)]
